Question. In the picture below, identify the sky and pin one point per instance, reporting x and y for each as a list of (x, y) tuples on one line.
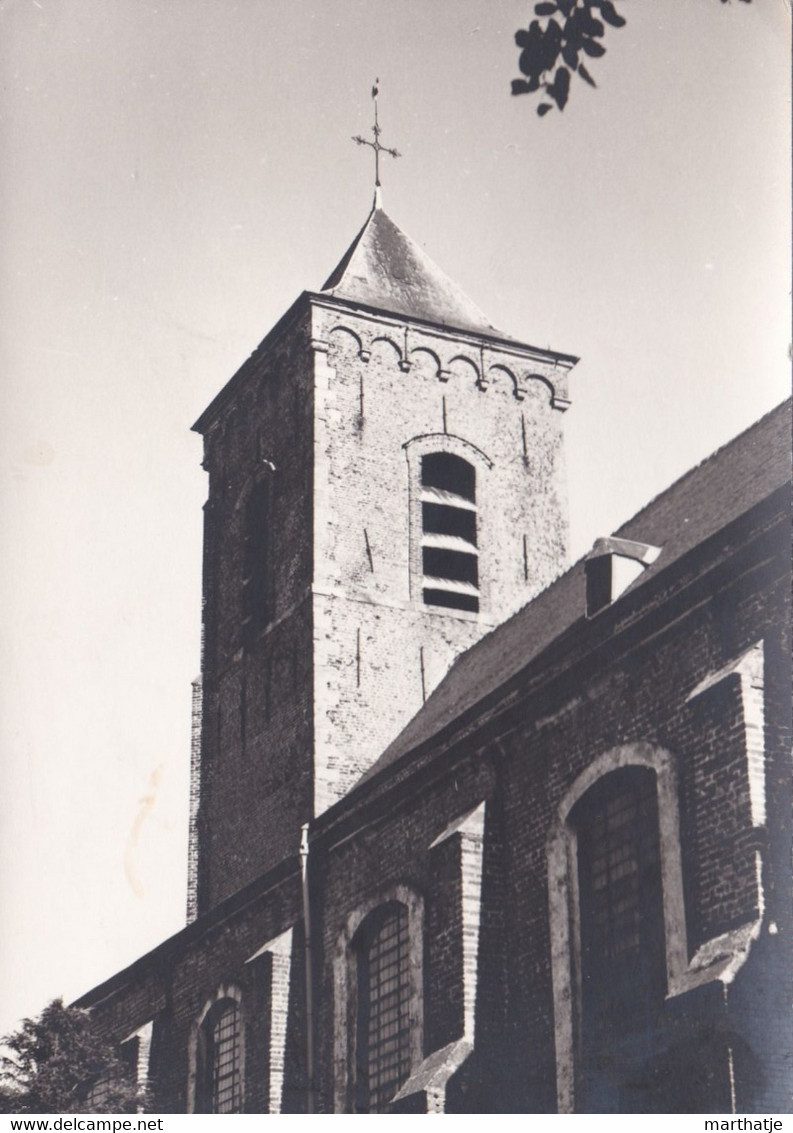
[(175, 173)]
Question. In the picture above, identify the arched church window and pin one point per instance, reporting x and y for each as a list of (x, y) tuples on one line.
[(256, 569), (383, 1035), (622, 940), (221, 1048), (450, 557)]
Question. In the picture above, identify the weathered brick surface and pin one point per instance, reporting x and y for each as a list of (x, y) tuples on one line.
[(328, 412), (333, 413), (623, 689), (195, 800), (379, 650), (174, 983), (626, 677), (257, 697), (444, 993)]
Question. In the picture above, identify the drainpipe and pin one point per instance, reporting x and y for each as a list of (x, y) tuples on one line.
[(730, 1055), (309, 981)]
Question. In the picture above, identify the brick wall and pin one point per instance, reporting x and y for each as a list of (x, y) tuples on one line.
[(325, 413), (633, 688), (628, 680), (381, 384), (256, 748)]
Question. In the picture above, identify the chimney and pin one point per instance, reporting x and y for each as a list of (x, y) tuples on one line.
[(611, 566)]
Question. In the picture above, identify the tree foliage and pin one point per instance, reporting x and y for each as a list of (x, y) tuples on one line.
[(558, 44), (53, 1065)]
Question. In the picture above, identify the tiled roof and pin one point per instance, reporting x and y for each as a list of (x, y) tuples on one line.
[(384, 268), (713, 494)]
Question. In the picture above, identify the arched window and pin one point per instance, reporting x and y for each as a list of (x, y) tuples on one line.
[(622, 941), (617, 918), (383, 1032), (450, 562), (220, 1084), (378, 1001), (256, 581)]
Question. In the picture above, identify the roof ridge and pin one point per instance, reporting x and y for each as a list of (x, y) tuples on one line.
[(337, 274), (709, 459)]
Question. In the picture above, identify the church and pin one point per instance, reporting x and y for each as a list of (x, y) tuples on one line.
[(472, 831)]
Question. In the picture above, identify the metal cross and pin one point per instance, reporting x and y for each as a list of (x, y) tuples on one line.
[(376, 146)]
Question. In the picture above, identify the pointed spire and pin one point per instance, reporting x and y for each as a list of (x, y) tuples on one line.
[(384, 268)]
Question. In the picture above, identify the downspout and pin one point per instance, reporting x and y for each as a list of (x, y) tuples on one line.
[(730, 1055), (309, 981)]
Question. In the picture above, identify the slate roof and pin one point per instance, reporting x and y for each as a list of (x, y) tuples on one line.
[(713, 494), (384, 268)]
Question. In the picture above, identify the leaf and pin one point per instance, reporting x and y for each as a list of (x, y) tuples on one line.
[(543, 108), (532, 61), (552, 41), (526, 37), (573, 34), (585, 75), (570, 55), (611, 15), (590, 25), (541, 50), (520, 86), (545, 9), (553, 32), (559, 89), (56, 1057), (593, 48)]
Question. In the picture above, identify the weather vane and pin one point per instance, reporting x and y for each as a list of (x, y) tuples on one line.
[(375, 145)]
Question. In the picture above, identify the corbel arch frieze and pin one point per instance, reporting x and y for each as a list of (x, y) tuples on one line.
[(338, 334), (466, 367), (390, 340), (422, 352), (530, 384), (498, 373)]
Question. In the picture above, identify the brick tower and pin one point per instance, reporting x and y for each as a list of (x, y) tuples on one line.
[(386, 484)]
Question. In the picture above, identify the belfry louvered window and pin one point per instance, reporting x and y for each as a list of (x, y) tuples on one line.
[(449, 552), (383, 1046), (222, 1062)]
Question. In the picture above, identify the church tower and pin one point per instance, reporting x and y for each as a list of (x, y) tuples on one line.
[(385, 486)]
